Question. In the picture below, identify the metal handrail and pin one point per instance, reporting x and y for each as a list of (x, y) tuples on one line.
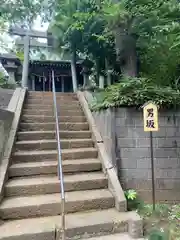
[(60, 171)]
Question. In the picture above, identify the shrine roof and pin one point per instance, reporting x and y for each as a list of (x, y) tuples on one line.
[(9, 57)]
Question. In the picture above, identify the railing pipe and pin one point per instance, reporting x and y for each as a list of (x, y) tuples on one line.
[(60, 171)]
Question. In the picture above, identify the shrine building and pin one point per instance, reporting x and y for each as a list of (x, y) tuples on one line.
[(40, 73)]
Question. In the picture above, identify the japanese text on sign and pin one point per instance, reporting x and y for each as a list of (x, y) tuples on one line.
[(150, 113)]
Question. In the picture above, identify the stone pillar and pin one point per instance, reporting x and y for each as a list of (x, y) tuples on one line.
[(11, 79), (33, 83), (11, 68), (101, 81), (26, 62), (109, 72), (86, 71), (62, 83), (74, 78), (73, 71), (43, 82), (85, 80)]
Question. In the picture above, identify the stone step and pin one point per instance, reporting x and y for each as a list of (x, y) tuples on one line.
[(50, 112), (50, 94), (51, 126), (49, 101), (46, 155), (52, 144), (35, 94), (27, 186), (67, 106), (45, 135), (43, 118), (50, 98), (116, 236), (50, 167), (50, 204), (78, 225)]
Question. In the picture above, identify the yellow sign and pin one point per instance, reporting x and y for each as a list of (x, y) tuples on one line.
[(150, 113)]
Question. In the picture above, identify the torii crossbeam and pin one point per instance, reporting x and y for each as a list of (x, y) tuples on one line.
[(28, 34)]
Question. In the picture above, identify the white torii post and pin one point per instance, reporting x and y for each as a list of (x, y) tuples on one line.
[(25, 62)]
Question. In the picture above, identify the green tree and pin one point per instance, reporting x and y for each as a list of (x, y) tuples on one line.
[(81, 28), (155, 24), (97, 43), (110, 32), (21, 11), (67, 37)]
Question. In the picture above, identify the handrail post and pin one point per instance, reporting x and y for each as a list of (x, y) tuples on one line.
[(60, 171)]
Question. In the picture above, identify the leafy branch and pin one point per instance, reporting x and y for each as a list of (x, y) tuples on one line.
[(135, 92)]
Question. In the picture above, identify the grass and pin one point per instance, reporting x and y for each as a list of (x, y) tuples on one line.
[(165, 219)]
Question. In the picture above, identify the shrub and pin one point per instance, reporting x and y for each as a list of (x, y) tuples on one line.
[(159, 235), (135, 92), (4, 83), (133, 201)]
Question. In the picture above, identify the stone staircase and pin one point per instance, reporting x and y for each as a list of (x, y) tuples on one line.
[(31, 207)]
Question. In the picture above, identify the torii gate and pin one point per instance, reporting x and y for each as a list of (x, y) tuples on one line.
[(28, 34)]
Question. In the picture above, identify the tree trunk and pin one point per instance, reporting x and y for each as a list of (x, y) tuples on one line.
[(126, 52), (73, 70), (129, 67)]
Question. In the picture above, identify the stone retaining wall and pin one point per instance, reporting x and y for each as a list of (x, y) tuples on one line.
[(128, 145), (6, 118), (5, 97), (105, 121), (134, 154)]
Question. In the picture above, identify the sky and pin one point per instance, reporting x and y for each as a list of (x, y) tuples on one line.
[(7, 40), (38, 26)]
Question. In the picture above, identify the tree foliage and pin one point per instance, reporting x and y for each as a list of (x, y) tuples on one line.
[(135, 92), (122, 31), (21, 11), (137, 38)]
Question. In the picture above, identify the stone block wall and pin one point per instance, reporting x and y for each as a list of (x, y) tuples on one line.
[(134, 154), (129, 147)]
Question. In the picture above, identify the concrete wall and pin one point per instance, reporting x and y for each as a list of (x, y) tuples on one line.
[(105, 121), (5, 97), (9, 120), (6, 118), (122, 132)]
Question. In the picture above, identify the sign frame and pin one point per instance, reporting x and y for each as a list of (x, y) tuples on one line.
[(150, 118)]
